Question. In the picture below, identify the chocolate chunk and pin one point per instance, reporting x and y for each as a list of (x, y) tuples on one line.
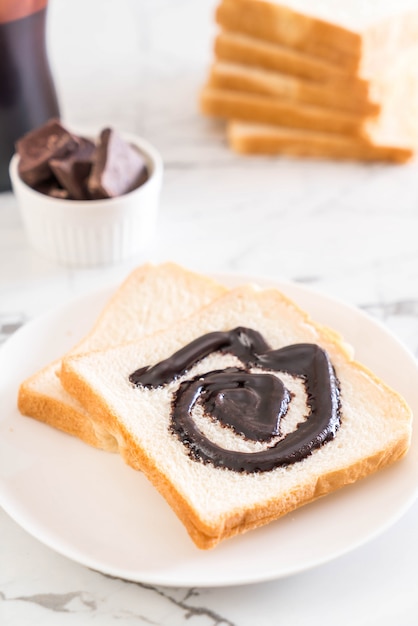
[(61, 194), (38, 146), (117, 169), (51, 188), (73, 170)]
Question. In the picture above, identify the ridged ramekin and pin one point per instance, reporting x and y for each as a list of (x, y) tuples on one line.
[(93, 232)]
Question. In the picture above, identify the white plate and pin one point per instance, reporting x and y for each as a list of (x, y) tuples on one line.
[(89, 506)]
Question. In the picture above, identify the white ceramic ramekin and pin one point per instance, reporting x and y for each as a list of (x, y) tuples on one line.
[(94, 232)]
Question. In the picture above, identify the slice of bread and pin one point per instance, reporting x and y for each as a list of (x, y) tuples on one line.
[(359, 36), (214, 497), (236, 47), (238, 77), (151, 298), (264, 139), (251, 107)]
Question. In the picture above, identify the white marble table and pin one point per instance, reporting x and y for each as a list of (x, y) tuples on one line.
[(347, 230)]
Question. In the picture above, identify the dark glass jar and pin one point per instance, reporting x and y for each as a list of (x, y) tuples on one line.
[(27, 92)]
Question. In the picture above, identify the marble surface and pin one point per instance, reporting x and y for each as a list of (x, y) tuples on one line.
[(347, 230)]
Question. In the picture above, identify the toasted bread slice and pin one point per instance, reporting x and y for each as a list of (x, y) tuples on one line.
[(193, 443), (151, 298)]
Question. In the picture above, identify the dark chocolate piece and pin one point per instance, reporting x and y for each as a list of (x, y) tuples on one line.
[(250, 403), (57, 192), (37, 147), (117, 169), (73, 170), (52, 188)]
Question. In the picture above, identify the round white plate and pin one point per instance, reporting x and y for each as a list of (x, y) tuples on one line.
[(89, 506)]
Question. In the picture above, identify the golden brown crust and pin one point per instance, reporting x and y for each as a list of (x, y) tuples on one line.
[(281, 24), (239, 78), (360, 54), (64, 417), (237, 48), (38, 401), (250, 107), (266, 140)]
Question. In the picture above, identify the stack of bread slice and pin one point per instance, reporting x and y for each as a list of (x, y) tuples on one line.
[(335, 78), (342, 421)]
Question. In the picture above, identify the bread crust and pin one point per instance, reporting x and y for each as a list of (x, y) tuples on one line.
[(130, 312), (236, 47), (63, 413), (239, 78), (324, 471), (281, 24), (265, 139), (252, 107), (360, 53)]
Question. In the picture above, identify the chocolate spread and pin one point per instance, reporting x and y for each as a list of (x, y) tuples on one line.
[(252, 404)]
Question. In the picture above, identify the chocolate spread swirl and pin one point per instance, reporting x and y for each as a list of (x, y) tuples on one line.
[(252, 404)]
